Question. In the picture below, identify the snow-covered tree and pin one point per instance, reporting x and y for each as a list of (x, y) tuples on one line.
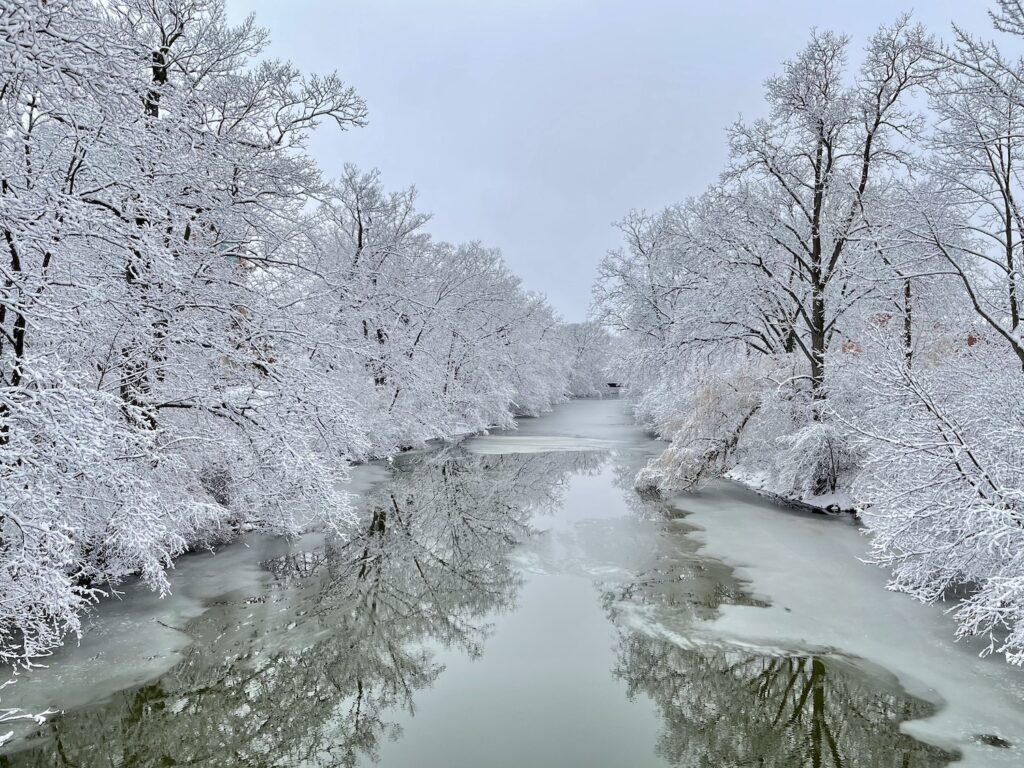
[(198, 333), (589, 344), (942, 487), (747, 293), (841, 313)]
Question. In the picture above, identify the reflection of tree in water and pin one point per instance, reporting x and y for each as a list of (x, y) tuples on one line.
[(307, 672), (732, 707), (678, 585), (726, 707)]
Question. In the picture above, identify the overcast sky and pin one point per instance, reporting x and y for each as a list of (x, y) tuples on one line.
[(532, 125)]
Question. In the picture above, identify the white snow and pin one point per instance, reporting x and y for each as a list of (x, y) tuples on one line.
[(824, 597)]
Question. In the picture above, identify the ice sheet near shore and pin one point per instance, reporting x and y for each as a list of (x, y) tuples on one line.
[(503, 444), (823, 596), (579, 425), (135, 636)]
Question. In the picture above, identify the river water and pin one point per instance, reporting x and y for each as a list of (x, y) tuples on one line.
[(510, 601)]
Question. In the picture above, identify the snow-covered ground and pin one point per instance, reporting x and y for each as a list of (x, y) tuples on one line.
[(839, 501)]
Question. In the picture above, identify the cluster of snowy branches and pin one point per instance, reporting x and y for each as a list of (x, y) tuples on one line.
[(199, 333), (590, 346), (839, 317)]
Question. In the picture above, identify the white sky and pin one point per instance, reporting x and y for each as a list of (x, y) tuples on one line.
[(532, 125)]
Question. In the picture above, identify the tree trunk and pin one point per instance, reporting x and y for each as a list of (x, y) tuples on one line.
[(908, 327), (817, 333)]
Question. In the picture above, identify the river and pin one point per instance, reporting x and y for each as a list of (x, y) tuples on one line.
[(507, 601)]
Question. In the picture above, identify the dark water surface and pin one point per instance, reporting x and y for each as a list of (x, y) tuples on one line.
[(507, 602)]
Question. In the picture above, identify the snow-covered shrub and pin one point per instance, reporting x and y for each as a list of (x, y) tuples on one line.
[(818, 459), (705, 428), (87, 500)]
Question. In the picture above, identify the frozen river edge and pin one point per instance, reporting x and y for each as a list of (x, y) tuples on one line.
[(823, 596)]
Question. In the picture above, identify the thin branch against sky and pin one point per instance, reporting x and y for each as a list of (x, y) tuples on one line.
[(533, 125)]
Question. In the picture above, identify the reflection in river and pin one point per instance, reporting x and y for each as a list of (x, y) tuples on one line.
[(307, 672), (729, 707), (325, 657)]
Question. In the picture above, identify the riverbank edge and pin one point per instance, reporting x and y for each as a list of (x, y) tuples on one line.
[(836, 505), (232, 532)]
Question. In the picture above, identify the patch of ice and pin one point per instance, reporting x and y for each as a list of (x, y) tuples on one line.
[(825, 598), (504, 443), (134, 638)]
